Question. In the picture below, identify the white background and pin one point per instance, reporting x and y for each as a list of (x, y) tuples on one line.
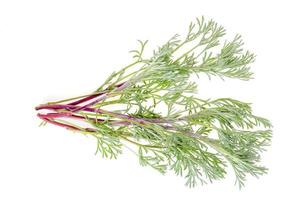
[(57, 49)]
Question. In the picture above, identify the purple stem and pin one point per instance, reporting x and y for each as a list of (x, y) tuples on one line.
[(85, 99), (100, 111), (58, 123), (118, 87), (103, 96), (45, 118), (70, 115)]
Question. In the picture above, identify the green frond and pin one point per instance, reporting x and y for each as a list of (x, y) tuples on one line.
[(153, 107)]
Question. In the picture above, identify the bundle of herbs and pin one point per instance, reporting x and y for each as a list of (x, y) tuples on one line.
[(150, 106)]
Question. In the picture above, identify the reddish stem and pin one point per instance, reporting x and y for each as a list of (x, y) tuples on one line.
[(58, 123), (96, 95), (70, 115), (104, 95), (85, 99), (100, 111), (67, 126)]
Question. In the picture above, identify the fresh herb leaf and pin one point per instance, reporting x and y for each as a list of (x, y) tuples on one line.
[(151, 106)]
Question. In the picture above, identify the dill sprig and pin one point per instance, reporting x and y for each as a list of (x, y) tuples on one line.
[(150, 106)]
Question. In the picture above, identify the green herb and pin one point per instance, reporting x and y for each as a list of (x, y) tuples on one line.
[(150, 106)]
